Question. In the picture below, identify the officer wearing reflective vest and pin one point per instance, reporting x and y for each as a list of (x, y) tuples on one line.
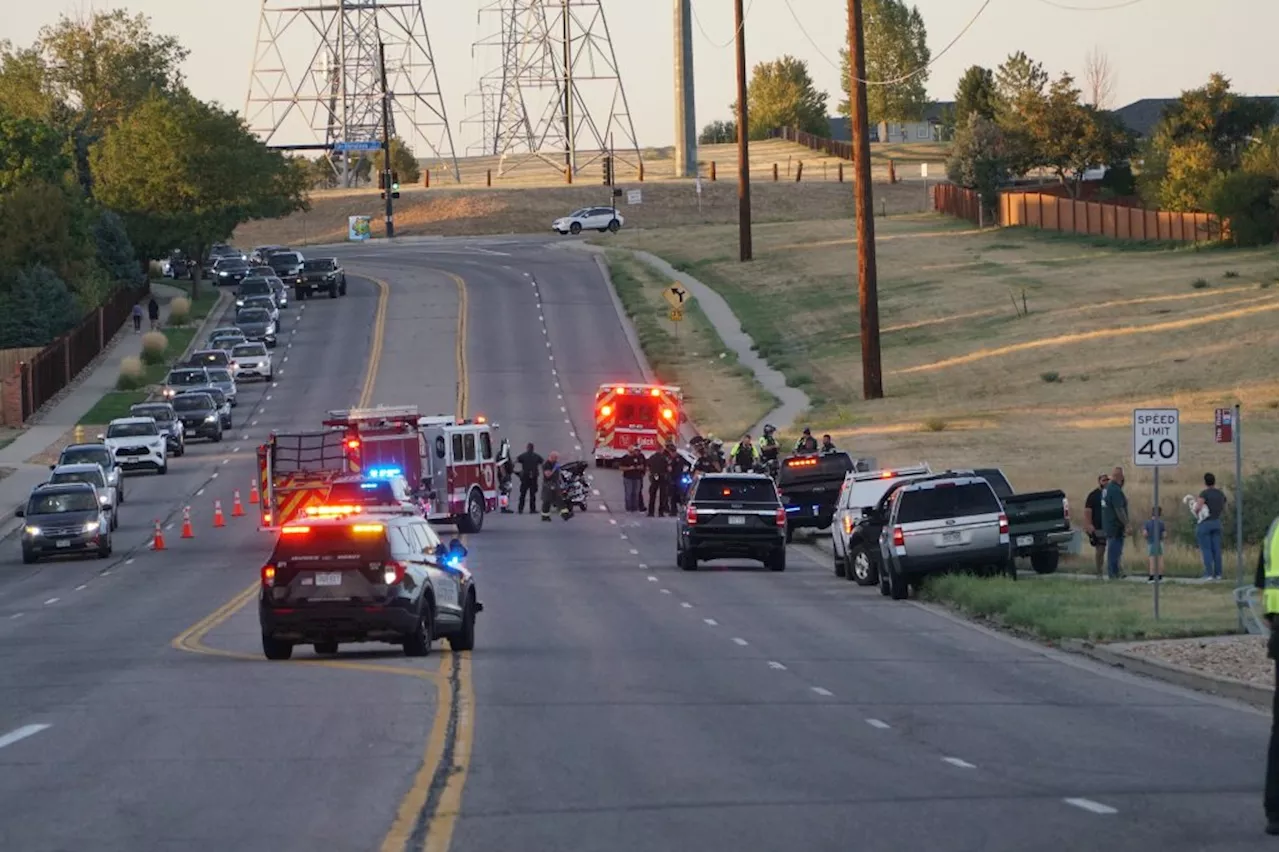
[(1268, 580)]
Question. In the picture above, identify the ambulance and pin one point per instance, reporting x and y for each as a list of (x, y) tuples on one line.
[(449, 465), (630, 415)]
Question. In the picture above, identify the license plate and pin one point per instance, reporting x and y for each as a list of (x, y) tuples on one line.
[(737, 520), (1026, 540), (329, 579), (65, 542), (951, 538)]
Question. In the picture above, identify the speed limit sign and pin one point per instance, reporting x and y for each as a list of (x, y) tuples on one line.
[(1155, 437)]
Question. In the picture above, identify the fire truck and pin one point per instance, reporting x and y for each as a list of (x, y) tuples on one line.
[(630, 415), (449, 464)]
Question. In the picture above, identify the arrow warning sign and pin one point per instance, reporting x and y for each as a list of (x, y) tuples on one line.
[(675, 295)]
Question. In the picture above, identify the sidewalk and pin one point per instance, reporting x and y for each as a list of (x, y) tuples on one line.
[(61, 417)]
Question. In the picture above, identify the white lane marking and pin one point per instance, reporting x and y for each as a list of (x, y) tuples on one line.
[(215, 475), (19, 734), (566, 420), (286, 358), (560, 396), (541, 318), (820, 691), (777, 666), (254, 423), (551, 358), (82, 587), (635, 552), (16, 615), (604, 508), (108, 573), (244, 437), (268, 396), (579, 448), (224, 461), (651, 578), (710, 622), (644, 567), (128, 561), (595, 492), (955, 761), (686, 605), (876, 723), (201, 491), (612, 521), (562, 409), (548, 344), (665, 591), (168, 526), (738, 641), (623, 536), (275, 384), (235, 449), (1091, 806), (52, 601)]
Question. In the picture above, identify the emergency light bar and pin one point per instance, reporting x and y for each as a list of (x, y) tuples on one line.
[(382, 473), (812, 462), (332, 511), (376, 413)]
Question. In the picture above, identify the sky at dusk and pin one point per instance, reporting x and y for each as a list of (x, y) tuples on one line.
[(1157, 47)]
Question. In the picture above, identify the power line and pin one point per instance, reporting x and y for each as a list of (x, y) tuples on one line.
[(905, 77), (1070, 8), (736, 30)]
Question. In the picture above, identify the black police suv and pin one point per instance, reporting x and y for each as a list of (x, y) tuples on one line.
[(733, 515)]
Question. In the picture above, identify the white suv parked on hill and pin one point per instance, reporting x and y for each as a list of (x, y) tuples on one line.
[(137, 442)]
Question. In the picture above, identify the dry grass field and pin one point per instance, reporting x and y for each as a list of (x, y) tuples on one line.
[(970, 378)]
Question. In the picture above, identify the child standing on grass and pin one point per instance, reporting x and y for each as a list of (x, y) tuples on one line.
[(1153, 532)]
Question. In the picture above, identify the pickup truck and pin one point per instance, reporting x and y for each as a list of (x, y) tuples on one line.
[(1039, 521), (810, 487)]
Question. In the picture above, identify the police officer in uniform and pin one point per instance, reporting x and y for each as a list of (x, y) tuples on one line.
[(530, 463), (1268, 580), (660, 484), (807, 443), (551, 498)]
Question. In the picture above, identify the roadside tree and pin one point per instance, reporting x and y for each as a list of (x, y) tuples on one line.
[(896, 45), (979, 158), (782, 94)]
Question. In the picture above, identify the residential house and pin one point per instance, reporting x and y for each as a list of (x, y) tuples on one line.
[(1142, 116), (928, 129)]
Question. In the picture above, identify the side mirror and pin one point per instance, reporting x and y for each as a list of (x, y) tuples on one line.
[(53, 467), (20, 512)]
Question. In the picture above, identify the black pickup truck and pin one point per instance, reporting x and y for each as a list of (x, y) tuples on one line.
[(810, 487), (1039, 521), (320, 275)]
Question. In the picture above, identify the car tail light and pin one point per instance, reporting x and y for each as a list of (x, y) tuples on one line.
[(1066, 510), (292, 530), (393, 573), (899, 540), (268, 576), (780, 517), (691, 514), (846, 523), (1004, 524)]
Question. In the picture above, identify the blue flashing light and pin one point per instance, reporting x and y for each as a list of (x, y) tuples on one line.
[(382, 473), (686, 479), (453, 562)]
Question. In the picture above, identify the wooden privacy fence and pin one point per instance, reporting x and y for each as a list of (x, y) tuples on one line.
[(35, 380), (830, 147), (11, 358), (1052, 213)]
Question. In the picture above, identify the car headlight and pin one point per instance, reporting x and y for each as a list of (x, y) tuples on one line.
[(223, 274), (239, 303), (104, 499), (31, 530), (91, 526), (271, 328), (211, 418)]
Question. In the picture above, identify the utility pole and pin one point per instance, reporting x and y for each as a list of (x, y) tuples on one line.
[(568, 86), (686, 124), (744, 161), (864, 212), (386, 138)]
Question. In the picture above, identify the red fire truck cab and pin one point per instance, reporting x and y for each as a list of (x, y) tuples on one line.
[(628, 415)]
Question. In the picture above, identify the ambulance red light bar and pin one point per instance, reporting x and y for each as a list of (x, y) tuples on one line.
[(331, 511), (655, 392), (294, 530), (353, 443), (606, 410), (668, 414), (802, 462), (480, 418)]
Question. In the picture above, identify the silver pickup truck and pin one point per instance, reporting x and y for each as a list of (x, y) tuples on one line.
[(939, 524)]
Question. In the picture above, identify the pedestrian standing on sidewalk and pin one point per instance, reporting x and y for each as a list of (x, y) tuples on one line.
[(153, 311), (1153, 532), (1093, 524), (1268, 581), (137, 319), (1115, 520), (1209, 531)]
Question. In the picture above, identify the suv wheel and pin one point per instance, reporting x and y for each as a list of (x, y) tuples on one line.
[(686, 560), (418, 643), (778, 561), (333, 291), (274, 649), (473, 520), (326, 648), (898, 587), (614, 225), (575, 227), (837, 561), (863, 570), (465, 638), (1044, 561)]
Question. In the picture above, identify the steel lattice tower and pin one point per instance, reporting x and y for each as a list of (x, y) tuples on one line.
[(316, 78), (562, 101)]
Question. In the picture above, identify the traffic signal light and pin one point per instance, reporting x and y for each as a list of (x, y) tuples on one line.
[(395, 184), (607, 169)]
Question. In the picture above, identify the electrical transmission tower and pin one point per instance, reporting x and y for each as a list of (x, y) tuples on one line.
[(316, 82), (562, 102)]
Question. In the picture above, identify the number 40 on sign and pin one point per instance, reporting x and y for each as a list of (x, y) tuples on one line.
[(1155, 437)]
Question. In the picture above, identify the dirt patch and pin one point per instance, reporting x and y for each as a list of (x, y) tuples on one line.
[(1237, 657), (971, 377), (721, 396)]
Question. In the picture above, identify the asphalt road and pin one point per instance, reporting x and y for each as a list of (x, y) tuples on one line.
[(612, 703)]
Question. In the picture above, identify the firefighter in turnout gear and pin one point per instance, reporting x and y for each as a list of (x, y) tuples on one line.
[(1268, 580), (551, 498), (506, 467), (530, 463)]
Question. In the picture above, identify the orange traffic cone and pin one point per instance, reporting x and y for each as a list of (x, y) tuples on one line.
[(253, 494), (218, 520), (157, 541), (187, 532), (237, 508)]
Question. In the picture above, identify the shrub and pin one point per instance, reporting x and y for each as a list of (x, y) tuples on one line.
[(154, 345), (1231, 273), (132, 373), (179, 310), (1260, 494), (1050, 377), (935, 424), (1199, 284), (1248, 203)]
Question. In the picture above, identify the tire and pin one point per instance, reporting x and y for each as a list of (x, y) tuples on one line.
[(465, 639), (1044, 561), (614, 225), (418, 643), (333, 291), (326, 648), (837, 562), (29, 558), (120, 494), (164, 468), (217, 437), (899, 589), (104, 550), (864, 569), (473, 521), (778, 561), (790, 533), (115, 521), (297, 294), (1010, 569), (342, 288), (686, 560), (275, 649), (575, 228)]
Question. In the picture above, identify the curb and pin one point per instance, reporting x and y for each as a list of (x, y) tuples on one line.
[(1238, 690)]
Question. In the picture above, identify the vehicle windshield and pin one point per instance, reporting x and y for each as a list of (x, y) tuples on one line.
[(217, 358), (232, 263), (332, 544), (62, 502), (265, 302), (255, 287), (193, 402), (285, 259), (224, 333), (946, 501), (249, 350), (579, 213), (131, 430), (361, 494), (253, 315), (179, 378), (323, 265), (160, 414), (218, 397), (93, 477), (221, 376), (86, 455), (729, 490)]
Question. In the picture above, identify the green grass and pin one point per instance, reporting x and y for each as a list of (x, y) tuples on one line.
[(112, 406), (208, 297), (116, 403), (1056, 608)]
